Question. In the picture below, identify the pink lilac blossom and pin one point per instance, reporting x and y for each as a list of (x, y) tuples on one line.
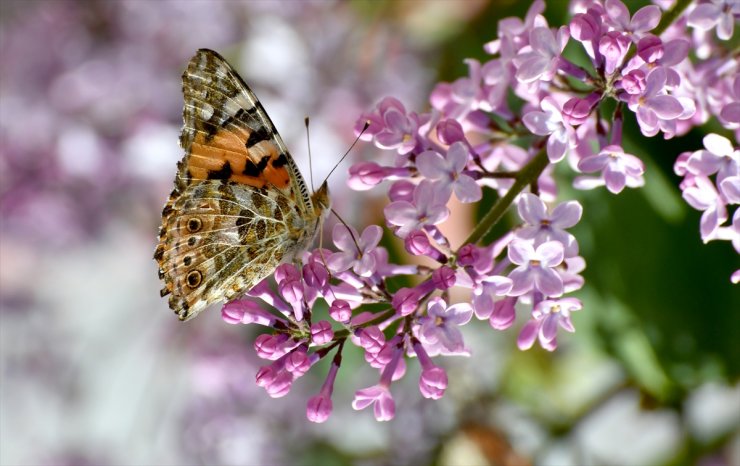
[(465, 144)]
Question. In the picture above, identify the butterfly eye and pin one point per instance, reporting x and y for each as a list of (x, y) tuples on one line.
[(194, 278), (194, 224)]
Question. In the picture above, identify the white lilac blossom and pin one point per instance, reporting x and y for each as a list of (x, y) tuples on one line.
[(465, 144)]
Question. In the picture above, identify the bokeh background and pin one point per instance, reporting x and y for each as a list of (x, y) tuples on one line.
[(96, 369)]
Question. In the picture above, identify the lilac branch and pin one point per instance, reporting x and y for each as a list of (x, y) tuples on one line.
[(526, 176)]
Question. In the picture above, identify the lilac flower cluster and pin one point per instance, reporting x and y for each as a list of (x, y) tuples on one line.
[(473, 138)]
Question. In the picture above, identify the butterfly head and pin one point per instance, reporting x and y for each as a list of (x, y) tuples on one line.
[(321, 200)]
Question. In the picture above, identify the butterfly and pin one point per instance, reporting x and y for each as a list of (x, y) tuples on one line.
[(240, 206)]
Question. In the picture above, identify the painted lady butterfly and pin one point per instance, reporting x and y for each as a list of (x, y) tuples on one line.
[(240, 206)]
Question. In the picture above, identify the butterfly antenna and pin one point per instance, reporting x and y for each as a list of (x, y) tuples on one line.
[(364, 128), (310, 161), (357, 244)]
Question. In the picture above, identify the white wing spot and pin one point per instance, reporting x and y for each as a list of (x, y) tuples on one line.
[(206, 112)]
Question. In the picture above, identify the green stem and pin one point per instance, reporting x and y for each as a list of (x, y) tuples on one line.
[(525, 177), (670, 16)]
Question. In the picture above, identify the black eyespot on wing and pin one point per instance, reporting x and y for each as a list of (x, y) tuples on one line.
[(194, 224), (194, 278)]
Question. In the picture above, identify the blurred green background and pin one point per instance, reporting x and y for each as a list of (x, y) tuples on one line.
[(96, 370)]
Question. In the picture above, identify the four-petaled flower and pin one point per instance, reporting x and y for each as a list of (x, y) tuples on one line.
[(356, 251), (540, 59), (438, 331), (547, 315), (536, 267), (428, 208), (618, 169), (550, 121), (448, 171), (541, 226), (654, 104)]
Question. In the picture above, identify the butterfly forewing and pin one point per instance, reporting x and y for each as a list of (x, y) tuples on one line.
[(240, 206)]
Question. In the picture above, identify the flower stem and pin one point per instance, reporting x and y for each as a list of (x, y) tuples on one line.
[(525, 177), (670, 16)]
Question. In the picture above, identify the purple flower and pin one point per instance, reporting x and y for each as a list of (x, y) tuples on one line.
[(730, 189), (278, 377), (485, 292), (546, 317), (428, 208), (319, 407), (539, 60), (541, 226), (443, 278), (536, 267), (370, 338), (576, 110), (504, 314), (587, 28), (458, 99), (365, 175), (618, 169), (433, 379), (448, 170), (633, 82), (399, 129), (274, 347), (406, 300), (719, 157), (417, 243), (720, 13), (450, 131), (700, 193), (321, 332), (340, 311), (550, 121), (380, 394), (438, 330), (356, 253), (654, 104), (613, 47), (245, 311), (618, 17), (730, 113)]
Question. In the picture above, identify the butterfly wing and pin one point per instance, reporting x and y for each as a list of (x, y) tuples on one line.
[(239, 206), (227, 134)]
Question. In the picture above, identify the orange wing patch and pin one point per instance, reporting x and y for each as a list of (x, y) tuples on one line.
[(228, 155)]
